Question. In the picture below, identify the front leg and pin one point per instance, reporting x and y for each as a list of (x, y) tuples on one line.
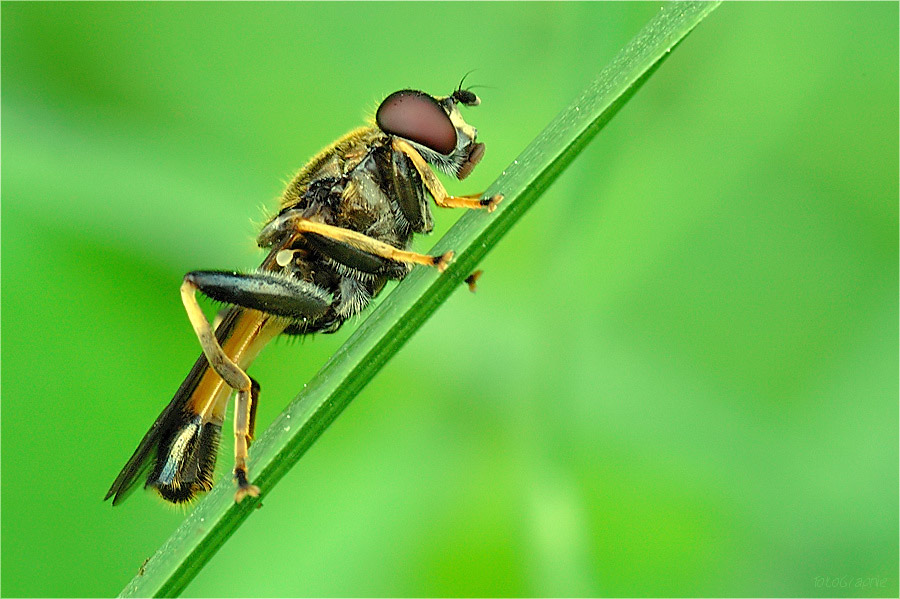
[(437, 189)]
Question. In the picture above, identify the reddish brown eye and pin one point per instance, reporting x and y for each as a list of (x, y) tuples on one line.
[(418, 117)]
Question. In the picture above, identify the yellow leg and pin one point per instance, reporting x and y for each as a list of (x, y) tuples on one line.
[(357, 240), (234, 377), (437, 189), (243, 433)]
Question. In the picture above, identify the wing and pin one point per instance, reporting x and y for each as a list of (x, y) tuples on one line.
[(172, 417)]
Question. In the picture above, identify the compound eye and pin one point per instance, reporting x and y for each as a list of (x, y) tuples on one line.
[(418, 117)]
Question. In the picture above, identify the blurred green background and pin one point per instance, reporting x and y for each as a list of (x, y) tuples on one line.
[(678, 376)]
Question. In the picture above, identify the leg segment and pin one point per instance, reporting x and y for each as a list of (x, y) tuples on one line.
[(230, 372), (437, 189), (264, 291), (353, 239), (244, 423)]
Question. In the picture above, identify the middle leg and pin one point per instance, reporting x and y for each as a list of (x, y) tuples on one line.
[(354, 239)]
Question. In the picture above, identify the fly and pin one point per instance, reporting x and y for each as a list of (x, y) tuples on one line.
[(343, 229)]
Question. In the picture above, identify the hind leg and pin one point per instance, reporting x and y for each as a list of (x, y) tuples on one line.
[(276, 296)]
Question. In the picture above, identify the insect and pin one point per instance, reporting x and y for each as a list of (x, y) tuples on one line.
[(341, 233)]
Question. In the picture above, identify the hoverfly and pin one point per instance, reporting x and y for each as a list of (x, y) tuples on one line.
[(344, 224)]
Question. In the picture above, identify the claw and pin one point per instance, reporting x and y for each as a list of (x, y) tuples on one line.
[(244, 491), (244, 486), (442, 261), (491, 203), (472, 279)]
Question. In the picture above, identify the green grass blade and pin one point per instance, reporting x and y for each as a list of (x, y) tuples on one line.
[(413, 301)]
